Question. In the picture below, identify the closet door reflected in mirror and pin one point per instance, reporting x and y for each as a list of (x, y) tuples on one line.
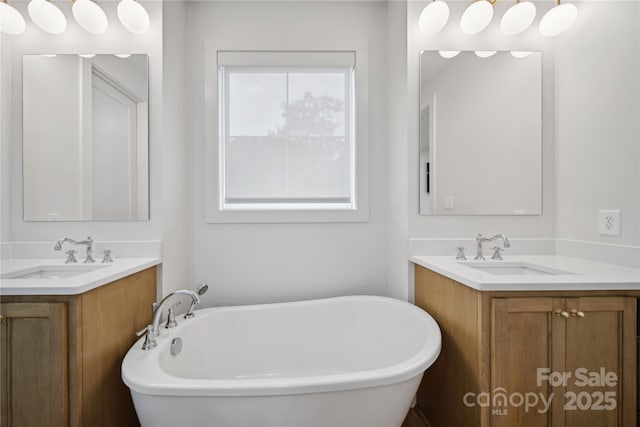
[(480, 134), (85, 138)]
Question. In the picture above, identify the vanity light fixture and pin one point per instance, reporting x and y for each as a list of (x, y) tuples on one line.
[(47, 16), (11, 21), (485, 53), (448, 54), (520, 53), (122, 55), (476, 17), (90, 16), (86, 55), (558, 19), (434, 17), (133, 16), (518, 18)]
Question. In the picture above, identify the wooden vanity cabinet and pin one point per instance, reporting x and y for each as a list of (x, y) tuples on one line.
[(60, 356), (495, 342), (33, 356)]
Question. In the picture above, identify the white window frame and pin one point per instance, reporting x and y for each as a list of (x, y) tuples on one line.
[(220, 211)]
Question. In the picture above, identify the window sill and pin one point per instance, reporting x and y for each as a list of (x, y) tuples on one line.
[(287, 216)]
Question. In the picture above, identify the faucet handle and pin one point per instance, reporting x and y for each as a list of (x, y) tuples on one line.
[(149, 340), (171, 316), (71, 256), (497, 253), (461, 255), (144, 330), (107, 259)]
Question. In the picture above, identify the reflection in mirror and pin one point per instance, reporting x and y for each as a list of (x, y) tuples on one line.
[(480, 134), (85, 138)]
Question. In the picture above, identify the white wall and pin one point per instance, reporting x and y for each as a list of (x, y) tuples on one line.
[(592, 82), (76, 40), (397, 152), (176, 244), (5, 137), (598, 123), (433, 227), (245, 263), (167, 168), (452, 38)]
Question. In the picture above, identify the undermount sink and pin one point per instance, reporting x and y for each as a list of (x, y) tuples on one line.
[(52, 271), (513, 268)]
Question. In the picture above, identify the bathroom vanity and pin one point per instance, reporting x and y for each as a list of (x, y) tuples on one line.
[(63, 341), (542, 340)]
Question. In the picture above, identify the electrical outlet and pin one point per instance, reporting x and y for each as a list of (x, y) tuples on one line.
[(609, 222)]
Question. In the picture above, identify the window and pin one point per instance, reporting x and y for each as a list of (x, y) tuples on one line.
[(286, 124)]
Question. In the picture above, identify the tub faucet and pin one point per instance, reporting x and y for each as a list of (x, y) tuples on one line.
[(88, 243), (480, 240), (159, 308)]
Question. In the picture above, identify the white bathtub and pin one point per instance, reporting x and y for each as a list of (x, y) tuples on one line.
[(345, 361)]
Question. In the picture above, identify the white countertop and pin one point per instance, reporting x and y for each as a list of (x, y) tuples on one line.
[(583, 275), (86, 281)]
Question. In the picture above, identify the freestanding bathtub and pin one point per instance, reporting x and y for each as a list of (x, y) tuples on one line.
[(337, 362)]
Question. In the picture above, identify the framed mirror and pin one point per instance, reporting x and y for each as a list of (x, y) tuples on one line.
[(85, 138), (480, 134)]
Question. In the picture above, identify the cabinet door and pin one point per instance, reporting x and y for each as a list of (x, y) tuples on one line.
[(526, 335), (600, 337), (33, 369)]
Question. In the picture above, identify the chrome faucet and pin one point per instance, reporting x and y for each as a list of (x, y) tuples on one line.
[(480, 240), (159, 308), (88, 243), (152, 331)]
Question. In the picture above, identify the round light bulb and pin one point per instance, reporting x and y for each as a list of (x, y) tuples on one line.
[(434, 17), (485, 53), (558, 20), (476, 17), (448, 54), (90, 16), (11, 21), (122, 55), (86, 55), (47, 16), (133, 16), (518, 18), (520, 53)]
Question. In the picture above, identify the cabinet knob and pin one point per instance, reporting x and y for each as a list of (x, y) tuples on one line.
[(562, 313), (577, 313)]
